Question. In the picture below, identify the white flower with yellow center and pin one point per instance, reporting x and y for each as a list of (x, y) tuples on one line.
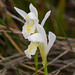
[(40, 40), (30, 18)]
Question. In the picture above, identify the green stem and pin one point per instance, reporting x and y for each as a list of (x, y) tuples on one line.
[(36, 62), (45, 67)]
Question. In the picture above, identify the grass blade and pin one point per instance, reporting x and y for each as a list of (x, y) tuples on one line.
[(59, 25), (3, 23)]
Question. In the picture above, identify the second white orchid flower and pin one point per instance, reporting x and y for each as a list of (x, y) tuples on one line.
[(32, 17), (40, 40)]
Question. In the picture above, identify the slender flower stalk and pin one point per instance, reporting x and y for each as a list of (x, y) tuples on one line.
[(45, 67), (34, 32), (36, 62)]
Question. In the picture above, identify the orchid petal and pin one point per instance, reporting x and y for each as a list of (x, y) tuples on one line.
[(21, 12), (37, 37), (32, 16), (45, 18), (31, 49), (28, 28), (41, 30), (51, 38), (34, 10)]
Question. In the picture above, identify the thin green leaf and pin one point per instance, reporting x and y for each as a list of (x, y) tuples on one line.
[(59, 25), (16, 36), (7, 43)]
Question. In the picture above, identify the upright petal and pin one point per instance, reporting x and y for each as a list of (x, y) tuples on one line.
[(21, 12), (51, 38), (33, 9), (41, 30), (31, 49), (32, 16), (45, 18)]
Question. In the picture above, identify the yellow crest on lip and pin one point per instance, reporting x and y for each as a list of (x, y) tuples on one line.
[(27, 17), (29, 27), (32, 46)]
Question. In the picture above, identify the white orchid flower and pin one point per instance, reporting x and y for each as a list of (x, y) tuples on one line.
[(32, 17), (40, 40), (29, 26)]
